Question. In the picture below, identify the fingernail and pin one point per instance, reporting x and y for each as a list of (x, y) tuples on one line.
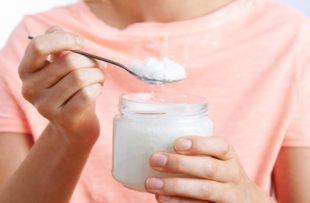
[(183, 145), (164, 198), (154, 183), (159, 160), (102, 65)]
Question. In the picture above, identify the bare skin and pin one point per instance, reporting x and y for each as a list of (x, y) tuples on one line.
[(56, 160), (122, 13), (292, 175), (66, 98)]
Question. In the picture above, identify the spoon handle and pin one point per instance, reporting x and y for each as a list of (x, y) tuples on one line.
[(98, 58)]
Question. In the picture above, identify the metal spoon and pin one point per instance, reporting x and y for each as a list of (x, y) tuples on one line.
[(145, 79)]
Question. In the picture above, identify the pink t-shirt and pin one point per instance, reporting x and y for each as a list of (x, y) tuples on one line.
[(251, 60)]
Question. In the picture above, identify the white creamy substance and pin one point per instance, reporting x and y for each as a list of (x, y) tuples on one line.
[(138, 135), (153, 69), (136, 139)]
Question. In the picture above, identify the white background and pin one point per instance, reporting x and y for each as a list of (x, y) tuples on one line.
[(12, 11)]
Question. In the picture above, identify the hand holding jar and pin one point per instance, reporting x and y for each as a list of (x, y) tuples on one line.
[(212, 173)]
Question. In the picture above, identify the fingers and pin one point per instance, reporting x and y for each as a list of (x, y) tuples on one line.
[(188, 188), (85, 97), (77, 116), (171, 199), (62, 86), (73, 82), (209, 146), (195, 166), (60, 67), (42, 46), (49, 100), (207, 170)]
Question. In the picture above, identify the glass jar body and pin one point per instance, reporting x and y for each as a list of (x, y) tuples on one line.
[(137, 136)]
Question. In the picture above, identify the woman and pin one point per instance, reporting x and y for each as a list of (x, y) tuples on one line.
[(250, 58)]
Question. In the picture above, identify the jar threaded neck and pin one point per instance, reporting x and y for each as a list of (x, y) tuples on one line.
[(162, 103)]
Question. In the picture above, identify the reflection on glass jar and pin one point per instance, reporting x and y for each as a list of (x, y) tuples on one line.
[(151, 122)]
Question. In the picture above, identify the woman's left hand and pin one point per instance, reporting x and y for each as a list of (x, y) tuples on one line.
[(211, 170)]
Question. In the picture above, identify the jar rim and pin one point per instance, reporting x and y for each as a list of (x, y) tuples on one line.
[(158, 103)]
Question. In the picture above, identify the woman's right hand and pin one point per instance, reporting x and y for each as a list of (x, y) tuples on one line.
[(63, 90)]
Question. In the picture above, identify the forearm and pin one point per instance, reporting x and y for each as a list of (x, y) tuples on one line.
[(49, 173), (291, 175)]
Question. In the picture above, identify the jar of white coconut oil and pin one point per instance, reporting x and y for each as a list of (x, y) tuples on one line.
[(151, 122)]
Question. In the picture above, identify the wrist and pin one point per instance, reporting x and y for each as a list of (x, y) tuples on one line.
[(61, 141)]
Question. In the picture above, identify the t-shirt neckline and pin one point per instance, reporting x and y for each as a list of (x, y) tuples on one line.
[(142, 29)]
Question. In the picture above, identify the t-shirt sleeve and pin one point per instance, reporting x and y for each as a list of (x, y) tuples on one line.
[(12, 115), (298, 134)]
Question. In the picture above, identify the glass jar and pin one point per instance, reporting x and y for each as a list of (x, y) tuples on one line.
[(151, 122)]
